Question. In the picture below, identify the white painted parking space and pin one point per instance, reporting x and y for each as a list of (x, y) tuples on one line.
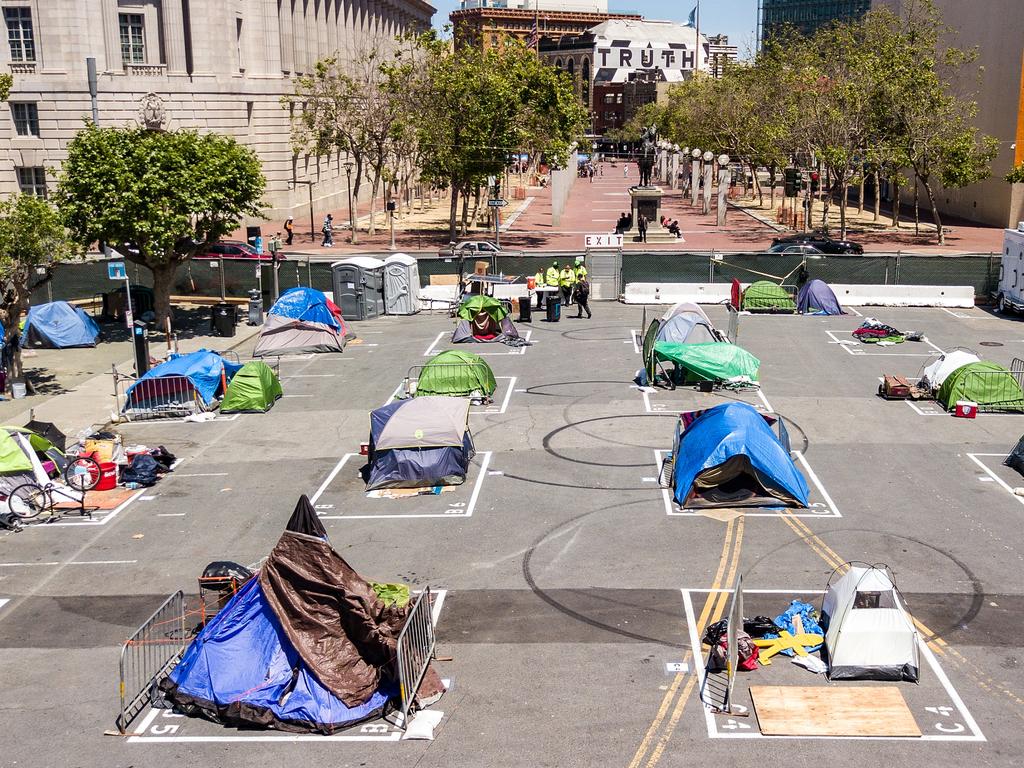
[(820, 504), (99, 516), (499, 403), (985, 462), (655, 402), (481, 349), (941, 714), (164, 726), (345, 499), (856, 349)]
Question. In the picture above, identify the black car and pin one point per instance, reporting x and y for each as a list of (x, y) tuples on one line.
[(823, 243)]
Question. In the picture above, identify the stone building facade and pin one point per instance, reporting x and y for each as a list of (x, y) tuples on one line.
[(211, 65)]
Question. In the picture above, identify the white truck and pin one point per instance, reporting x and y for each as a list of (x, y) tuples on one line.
[(1010, 295)]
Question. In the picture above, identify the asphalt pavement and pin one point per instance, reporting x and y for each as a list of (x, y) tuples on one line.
[(572, 592)]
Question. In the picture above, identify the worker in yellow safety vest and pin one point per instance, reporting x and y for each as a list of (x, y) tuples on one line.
[(551, 276), (581, 269), (566, 280), (538, 280)]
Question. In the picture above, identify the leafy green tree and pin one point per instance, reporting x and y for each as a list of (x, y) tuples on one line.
[(32, 239), (477, 107), (157, 197)]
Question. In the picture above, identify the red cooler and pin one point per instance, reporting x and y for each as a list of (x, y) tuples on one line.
[(108, 476), (966, 409)]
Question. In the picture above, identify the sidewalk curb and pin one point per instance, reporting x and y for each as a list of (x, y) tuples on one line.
[(758, 217)]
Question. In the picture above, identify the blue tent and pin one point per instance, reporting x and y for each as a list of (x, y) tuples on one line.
[(816, 298), (202, 368), (420, 443), (306, 645), (306, 304), (59, 325), (729, 456)]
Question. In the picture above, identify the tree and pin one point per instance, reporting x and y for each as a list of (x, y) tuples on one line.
[(32, 238), (157, 197), (478, 107)]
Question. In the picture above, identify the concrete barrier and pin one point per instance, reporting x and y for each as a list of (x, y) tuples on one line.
[(851, 295)]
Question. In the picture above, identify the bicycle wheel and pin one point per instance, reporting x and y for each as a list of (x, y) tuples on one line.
[(28, 500), (82, 473)]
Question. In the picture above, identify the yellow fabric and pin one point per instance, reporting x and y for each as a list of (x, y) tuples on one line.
[(581, 273), (567, 277), (551, 276), (539, 278)]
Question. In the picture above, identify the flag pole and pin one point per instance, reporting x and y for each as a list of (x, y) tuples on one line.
[(699, 46), (536, 25)]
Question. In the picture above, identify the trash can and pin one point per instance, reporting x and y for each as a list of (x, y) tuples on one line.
[(524, 309), (224, 319), (554, 307), (255, 307)]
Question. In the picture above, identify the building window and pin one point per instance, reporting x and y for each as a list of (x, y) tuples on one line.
[(19, 33), (238, 45), (26, 118), (133, 38), (32, 181)]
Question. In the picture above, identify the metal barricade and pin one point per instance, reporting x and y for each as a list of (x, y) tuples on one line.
[(149, 655), (733, 331), (162, 397), (483, 371), (784, 435), (1002, 391), (416, 645)]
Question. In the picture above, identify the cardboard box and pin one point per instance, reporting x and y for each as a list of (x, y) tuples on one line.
[(480, 268)]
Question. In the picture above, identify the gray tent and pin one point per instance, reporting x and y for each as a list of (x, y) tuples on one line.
[(285, 336)]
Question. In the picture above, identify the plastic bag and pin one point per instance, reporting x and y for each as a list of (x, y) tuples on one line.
[(799, 618)]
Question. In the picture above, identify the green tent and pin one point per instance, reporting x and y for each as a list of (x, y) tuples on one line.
[(252, 390), (990, 385), (456, 373), (474, 305), (714, 361), (764, 296)]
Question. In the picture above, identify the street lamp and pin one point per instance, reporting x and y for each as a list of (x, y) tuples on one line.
[(349, 165), (694, 176)]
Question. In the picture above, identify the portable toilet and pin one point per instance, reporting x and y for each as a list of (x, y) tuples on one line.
[(401, 285), (359, 287)]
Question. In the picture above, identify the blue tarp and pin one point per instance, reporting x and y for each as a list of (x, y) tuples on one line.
[(816, 298), (414, 467), (306, 304), (725, 431), (59, 325), (243, 659), (202, 368)]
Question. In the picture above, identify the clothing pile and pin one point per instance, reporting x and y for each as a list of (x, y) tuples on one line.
[(872, 332)]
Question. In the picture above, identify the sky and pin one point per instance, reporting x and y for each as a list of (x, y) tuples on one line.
[(735, 18)]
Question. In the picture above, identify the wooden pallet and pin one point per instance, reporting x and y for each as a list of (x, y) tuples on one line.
[(832, 711)]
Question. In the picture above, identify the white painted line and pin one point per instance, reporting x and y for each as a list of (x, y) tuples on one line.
[(73, 562), (23, 565), (767, 405), (712, 724), (452, 512), (1005, 486), (961, 316), (205, 474), (100, 521), (856, 351), (920, 412), (986, 479), (170, 514), (158, 422), (853, 310), (394, 395), (828, 508), (430, 350), (297, 395), (634, 337), (489, 411), (309, 376), (4, 601), (508, 394)]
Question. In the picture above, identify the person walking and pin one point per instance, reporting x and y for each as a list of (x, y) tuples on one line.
[(566, 280), (641, 226), (328, 230), (583, 297), (289, 227), (581, 269)]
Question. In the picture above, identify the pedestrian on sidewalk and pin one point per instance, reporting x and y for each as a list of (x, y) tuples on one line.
[(600, 168), (583, 297), (289, 227), (641, 226), (328, 230), (625, 170)]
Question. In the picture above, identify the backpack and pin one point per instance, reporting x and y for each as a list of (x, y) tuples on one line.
[(583, 288)]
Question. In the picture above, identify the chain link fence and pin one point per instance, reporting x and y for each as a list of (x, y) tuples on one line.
[(88, 280)]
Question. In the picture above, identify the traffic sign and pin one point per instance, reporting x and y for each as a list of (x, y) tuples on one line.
[(497, 203), (115, 270)]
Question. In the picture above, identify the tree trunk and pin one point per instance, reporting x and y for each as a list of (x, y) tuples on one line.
[(453, 213), (917, 210), (757, 185), (374, 189), (771, 191), (896, 206), (878, 195), (475, 217), (842, 211), (163, 281), (465, 208), (860, 192), (935, 213)]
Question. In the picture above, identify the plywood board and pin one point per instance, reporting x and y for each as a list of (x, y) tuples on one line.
[(818, 711)]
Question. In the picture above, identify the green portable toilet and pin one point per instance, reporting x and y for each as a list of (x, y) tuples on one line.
[(456, 373), (254, 389)]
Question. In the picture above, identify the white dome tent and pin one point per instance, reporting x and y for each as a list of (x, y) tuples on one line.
[(938, 371), (869, 635)]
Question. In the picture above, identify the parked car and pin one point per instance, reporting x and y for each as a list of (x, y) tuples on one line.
[(823, 243), (232, 249), (468, 248), (805, 249)]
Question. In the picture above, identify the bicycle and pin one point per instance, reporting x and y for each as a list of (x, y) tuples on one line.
[(28, 500)]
